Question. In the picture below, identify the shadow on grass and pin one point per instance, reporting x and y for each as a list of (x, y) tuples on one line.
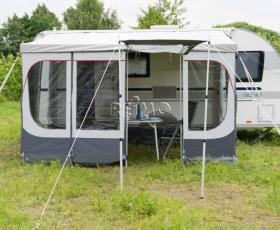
[(139, 154), (249, 136)]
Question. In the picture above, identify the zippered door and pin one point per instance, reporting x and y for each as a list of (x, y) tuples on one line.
[(220, 135), (97, 102)]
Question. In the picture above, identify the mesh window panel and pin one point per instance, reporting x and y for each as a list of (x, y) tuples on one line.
[(217, 103), (47, 94), (102, 114)]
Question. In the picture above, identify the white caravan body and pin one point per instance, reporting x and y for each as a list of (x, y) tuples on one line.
[(266, 86)]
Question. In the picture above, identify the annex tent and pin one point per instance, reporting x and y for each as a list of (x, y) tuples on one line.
[(54, 126)]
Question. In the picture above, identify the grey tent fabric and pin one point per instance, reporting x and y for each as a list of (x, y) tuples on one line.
[(89, 41)]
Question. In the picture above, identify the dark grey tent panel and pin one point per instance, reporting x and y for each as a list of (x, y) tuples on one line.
[(85, 151), (91, 151), (222, 149), (45, 149)]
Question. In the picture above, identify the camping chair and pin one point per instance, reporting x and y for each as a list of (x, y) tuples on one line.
[(170, 127)]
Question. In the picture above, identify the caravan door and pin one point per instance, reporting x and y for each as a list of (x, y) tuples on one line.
[(97, 102), (221, 129)]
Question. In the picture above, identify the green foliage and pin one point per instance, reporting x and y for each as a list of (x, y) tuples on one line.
[(249, 136), (23, 29), (42, 19), (89, 15), (13, 33), (163, 12), (12, 89), (270, 35)]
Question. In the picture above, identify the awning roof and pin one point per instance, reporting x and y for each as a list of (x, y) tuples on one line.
[(142, 40)]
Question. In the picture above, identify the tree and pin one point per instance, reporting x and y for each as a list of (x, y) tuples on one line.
[(42, 19), (163, 12), (23, 29), (91, 14), (14, 31), (272, 36)]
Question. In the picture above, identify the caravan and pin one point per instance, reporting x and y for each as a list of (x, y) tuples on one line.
[(262, 63)]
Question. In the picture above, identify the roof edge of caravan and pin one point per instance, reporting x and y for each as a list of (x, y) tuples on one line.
[(258, 35)]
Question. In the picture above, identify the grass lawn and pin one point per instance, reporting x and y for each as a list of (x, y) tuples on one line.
[(244, 195)]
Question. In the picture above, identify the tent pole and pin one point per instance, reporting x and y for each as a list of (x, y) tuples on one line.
[(8, 74), (181, 110), (205, 125), (126, 109), (121, 118)]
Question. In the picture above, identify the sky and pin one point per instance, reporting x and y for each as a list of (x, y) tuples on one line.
[(201, 13)]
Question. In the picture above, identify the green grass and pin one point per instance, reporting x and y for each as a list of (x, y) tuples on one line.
[(244, 195)]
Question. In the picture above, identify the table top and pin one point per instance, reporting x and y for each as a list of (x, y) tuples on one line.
[(153, 120)]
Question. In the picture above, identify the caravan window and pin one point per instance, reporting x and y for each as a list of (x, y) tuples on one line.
[(47, 94), (251, 62), (218, 91), (138, 64), (103, 114)]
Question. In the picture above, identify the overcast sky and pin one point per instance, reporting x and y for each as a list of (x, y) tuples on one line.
[(201, 13)]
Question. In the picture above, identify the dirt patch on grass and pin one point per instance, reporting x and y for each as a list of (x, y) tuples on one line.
[(230, 204)]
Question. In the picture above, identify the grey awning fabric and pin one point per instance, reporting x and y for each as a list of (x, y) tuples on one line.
[(95, 41), (162, 41), (161, 46), (177, 49)]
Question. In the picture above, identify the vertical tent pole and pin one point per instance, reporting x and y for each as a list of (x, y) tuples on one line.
[(181, 113), (205, 125), (8, 74), (126, 109), (121, 118)]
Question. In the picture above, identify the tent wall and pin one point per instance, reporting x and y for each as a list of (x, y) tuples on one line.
[(219, 149), (49, 109), (221, 130), (46, 149)]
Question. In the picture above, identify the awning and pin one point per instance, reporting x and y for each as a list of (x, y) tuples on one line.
[(177, 49), (161, 41), (172, 41)]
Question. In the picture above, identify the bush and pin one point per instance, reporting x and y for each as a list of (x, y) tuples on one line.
[(12, 89)]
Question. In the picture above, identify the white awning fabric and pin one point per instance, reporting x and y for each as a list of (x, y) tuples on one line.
[(149, 41)]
